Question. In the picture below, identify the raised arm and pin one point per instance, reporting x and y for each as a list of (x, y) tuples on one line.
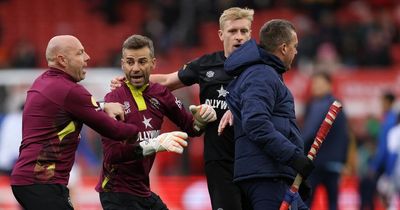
[(171, 81), (118, 152), (80, 103)]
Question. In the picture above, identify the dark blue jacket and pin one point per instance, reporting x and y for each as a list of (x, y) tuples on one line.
[(333, 152), (382, 160), (267, 137)]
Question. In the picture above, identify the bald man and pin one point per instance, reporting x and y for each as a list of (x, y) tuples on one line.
[(55, 109)]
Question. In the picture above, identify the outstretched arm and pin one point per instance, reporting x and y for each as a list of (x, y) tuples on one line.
[(114, 110), (171, 81), (117, 152)]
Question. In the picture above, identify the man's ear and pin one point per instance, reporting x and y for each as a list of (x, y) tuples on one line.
[(220, 34), (154, 61), (62, 60), (283, 48)]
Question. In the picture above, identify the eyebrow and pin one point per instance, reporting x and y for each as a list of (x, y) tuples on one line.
[(132, 58)]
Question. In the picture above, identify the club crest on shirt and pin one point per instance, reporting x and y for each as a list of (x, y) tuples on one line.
[(127, 107), (210, 74), (178, 103), (155, 103)]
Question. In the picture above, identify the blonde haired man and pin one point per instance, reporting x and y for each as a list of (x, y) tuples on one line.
[(208, 72)]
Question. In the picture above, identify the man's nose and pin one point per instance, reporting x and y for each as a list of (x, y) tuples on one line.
[(239, 37), (135, 67), (87, 57)]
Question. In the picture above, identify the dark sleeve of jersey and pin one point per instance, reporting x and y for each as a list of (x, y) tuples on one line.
[(189, 73), (80, 103), (177, 113), (117, 151)]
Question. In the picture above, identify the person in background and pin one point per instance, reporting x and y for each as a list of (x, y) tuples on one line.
[(55, 109), (365, 153), (388, 121), (208, 72), (332, 156), (10, 134), (380, 164), (23, 55), (125, 181), (268, 145), (388, 184)]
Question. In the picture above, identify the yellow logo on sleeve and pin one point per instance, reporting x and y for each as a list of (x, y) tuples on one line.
[(94, 102)]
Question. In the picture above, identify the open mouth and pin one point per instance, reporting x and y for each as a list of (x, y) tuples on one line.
[(136, 77), (237, 45)]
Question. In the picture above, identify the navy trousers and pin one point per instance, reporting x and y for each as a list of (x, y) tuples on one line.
[(268, 193)]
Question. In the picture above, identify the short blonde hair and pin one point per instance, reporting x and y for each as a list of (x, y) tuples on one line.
[(235, 13)]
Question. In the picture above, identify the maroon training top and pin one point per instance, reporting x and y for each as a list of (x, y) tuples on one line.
[(55, 108), (121, 172)]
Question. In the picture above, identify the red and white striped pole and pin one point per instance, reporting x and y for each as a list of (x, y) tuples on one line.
[(326, 125)]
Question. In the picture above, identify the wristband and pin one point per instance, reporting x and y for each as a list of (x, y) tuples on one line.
[(101, 105)]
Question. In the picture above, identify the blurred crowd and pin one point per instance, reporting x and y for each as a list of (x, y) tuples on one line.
[(332, 33)]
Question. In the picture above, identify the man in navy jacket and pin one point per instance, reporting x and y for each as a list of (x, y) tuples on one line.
[(268, 144)]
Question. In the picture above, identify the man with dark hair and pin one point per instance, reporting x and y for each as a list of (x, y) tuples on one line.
[(380, 164), (389, 120), (332, 155), (125, 181), (268, 144)]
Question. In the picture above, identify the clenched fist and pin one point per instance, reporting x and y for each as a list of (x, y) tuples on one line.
[(202, 114)]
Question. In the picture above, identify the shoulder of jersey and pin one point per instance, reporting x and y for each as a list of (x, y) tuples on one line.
[(119, 92), (120, 89), (208, 60)]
